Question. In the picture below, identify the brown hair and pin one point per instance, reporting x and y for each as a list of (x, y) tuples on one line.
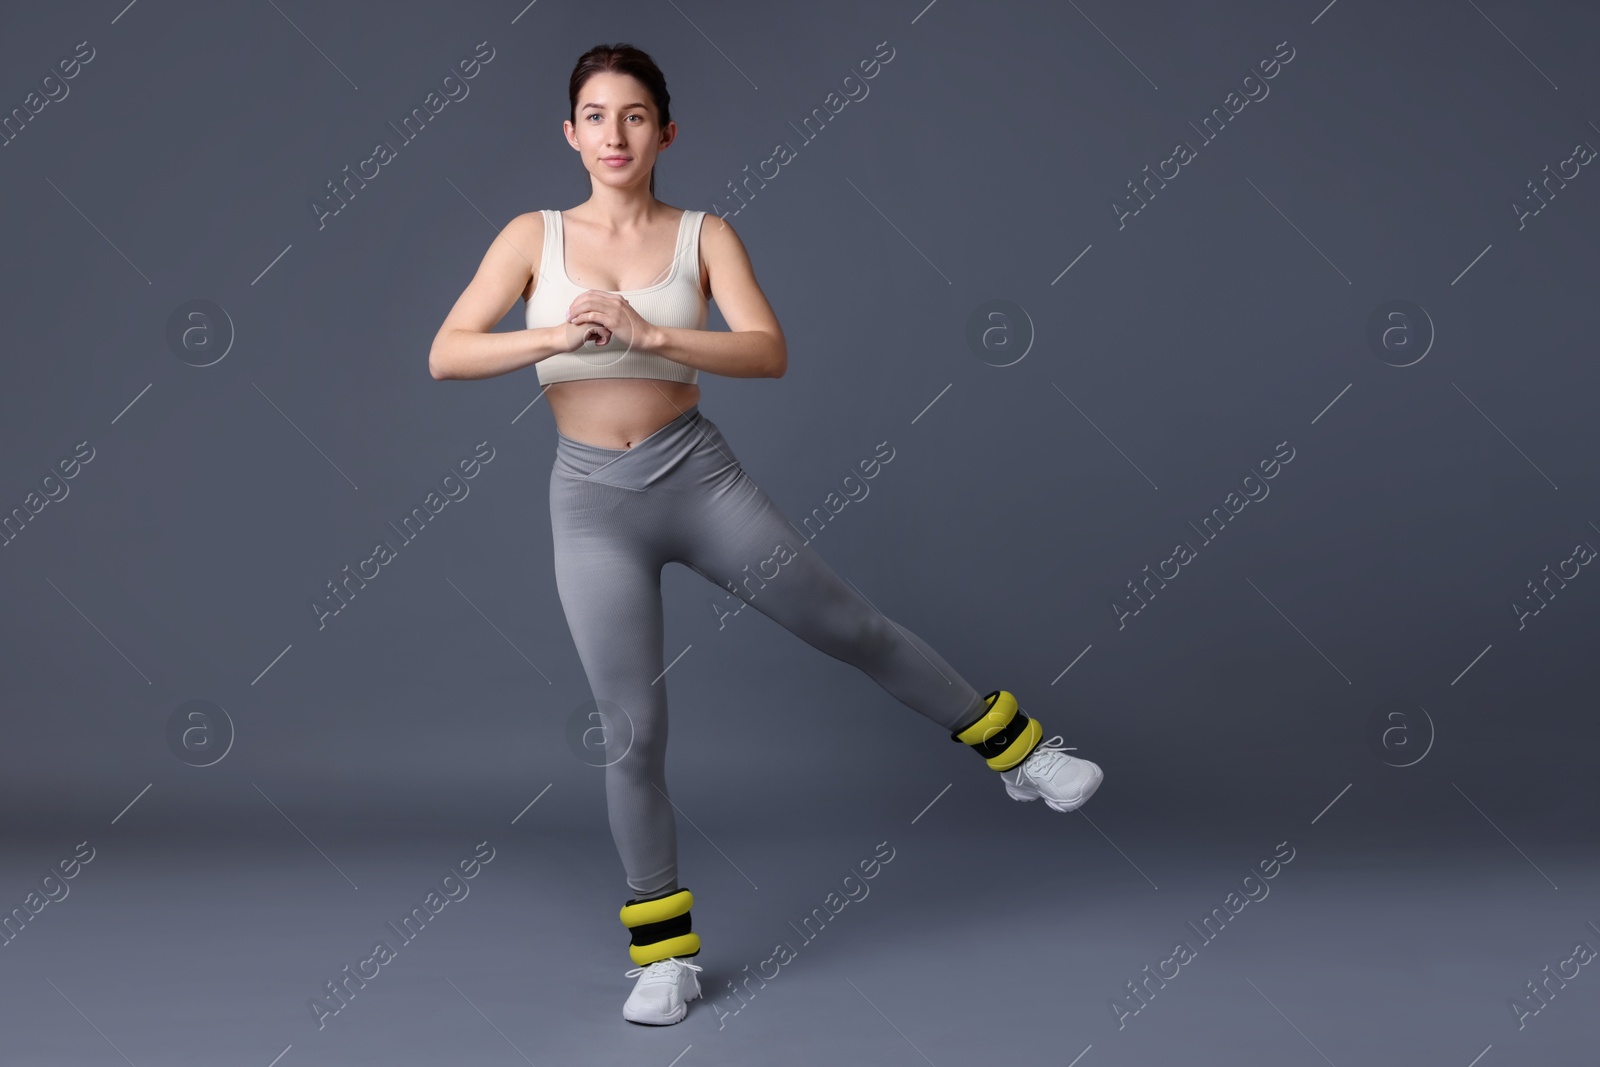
[(623, 59)]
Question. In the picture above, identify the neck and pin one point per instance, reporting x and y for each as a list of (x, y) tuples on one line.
[(619, 209)]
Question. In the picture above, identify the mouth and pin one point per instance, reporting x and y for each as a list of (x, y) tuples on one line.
[(616, 161)]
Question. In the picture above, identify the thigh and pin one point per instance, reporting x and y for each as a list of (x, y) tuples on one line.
[(608, 576), (742, 541)]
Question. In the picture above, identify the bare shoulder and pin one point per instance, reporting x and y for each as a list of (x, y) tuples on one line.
[(717, 233), (526, 230), (722, 253), (524, 235)]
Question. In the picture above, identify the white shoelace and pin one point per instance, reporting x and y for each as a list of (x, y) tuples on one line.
[(1047, 757), (663, 968)]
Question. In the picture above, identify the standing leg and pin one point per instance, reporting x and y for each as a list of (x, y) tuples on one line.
[(608, 575)]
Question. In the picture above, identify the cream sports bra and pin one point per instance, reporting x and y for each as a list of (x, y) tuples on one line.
[(674, 301)]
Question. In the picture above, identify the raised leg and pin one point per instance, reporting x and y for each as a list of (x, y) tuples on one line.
[(745, 545)]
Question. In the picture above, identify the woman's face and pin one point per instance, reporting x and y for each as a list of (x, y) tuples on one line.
[(617, 130)]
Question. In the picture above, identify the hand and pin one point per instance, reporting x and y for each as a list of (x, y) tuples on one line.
[(576, 335), (597, 308)]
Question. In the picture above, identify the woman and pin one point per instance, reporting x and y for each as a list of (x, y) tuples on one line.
[(642, 478)]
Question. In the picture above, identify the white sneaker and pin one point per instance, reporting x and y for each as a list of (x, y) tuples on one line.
[(1065, 782), (663, 992)]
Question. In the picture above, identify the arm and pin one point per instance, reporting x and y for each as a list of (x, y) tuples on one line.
[(753, 346), (464, 347)]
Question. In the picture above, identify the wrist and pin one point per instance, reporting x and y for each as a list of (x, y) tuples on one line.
[(547, 341), (655, 339)]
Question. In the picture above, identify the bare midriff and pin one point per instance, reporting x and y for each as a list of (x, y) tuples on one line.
[(617, 412)]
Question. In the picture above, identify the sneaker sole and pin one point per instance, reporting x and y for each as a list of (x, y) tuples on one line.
[(1071, 805), (682, 1013)]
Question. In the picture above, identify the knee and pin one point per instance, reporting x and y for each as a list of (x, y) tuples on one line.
[(630, 732), (874, 638), (636, 760)]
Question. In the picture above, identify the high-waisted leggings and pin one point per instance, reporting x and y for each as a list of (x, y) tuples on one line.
[(618, 516)]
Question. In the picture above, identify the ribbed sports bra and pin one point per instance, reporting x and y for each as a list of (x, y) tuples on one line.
[(674, 301)]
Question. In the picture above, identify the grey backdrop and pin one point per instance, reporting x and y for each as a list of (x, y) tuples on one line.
[(1072, 376)]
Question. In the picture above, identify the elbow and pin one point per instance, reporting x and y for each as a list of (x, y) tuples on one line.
[(780, 361), (436, 366)]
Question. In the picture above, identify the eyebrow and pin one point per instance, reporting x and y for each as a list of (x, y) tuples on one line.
[(624, 107)]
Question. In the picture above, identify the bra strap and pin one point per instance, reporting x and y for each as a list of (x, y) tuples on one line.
[(552, 234), (689, 238)]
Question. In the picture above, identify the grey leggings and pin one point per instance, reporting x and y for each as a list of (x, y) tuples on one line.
[(618, 515)]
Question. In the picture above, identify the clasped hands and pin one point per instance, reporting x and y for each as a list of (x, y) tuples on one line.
[(599, 315)]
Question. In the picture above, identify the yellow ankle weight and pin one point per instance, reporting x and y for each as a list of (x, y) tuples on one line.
[(660, 927), (1002, 735)]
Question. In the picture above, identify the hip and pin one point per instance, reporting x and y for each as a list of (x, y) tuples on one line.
[(688, 451)]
